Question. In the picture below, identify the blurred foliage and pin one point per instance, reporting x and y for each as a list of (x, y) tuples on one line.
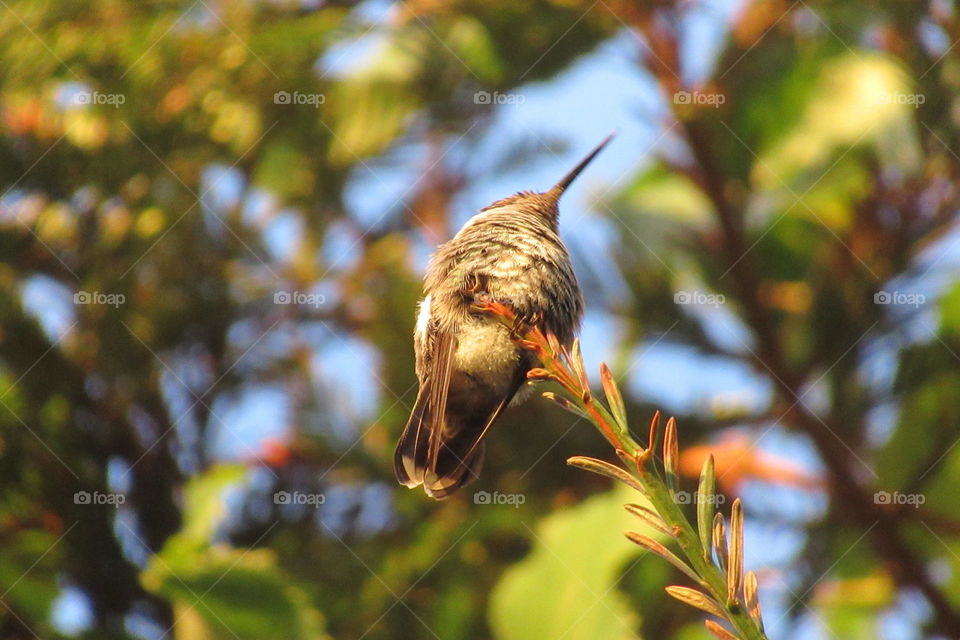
[(167, 169), (580, 603), (230, 592)]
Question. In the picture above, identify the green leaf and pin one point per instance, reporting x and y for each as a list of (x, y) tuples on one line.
[(232, 593), (563, 588), (705, 506), (238, 594), (849, 607), (204, 507), (950, 312), (856, 100), (470, 40), (663, 192), (28, 567), (922, 433), (283, 170), (606, 469)]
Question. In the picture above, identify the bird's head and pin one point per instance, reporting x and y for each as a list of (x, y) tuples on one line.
[(546, 203)]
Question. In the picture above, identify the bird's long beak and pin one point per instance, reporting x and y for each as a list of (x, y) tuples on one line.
[(557, 190)]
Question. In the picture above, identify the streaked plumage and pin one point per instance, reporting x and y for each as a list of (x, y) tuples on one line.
[(468, 367)]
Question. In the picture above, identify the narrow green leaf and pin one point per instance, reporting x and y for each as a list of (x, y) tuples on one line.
[(696, 599), (540, 374), (654, 546), (720, 540), (671, 454), (751, 597), (576, 362), (614, 399), (564, 403), (649, 517), (735, 567), (555, 347), (705, 502), (718, 631), (605, 469), (654, 426)]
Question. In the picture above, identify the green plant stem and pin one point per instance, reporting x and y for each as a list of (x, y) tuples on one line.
[(665, 505), (712, 578), (566, 367)]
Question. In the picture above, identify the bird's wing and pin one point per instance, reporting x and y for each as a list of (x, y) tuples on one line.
[(421, 436), (460, 454), (441, 370), (467, 450)]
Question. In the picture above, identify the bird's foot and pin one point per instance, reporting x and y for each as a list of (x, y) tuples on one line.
[(524, 322), (476, 291)]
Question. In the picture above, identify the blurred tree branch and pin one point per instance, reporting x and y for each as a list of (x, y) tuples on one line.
[(855, 500)]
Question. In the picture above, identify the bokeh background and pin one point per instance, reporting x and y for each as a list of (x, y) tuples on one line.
[(214, 219)]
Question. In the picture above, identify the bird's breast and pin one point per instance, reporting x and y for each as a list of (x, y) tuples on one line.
[(487, 354)]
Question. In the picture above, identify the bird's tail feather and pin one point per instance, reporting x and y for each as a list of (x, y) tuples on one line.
[(456, 456), (410, 459)]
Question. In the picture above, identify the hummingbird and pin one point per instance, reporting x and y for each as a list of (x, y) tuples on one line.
[(468, 367)]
